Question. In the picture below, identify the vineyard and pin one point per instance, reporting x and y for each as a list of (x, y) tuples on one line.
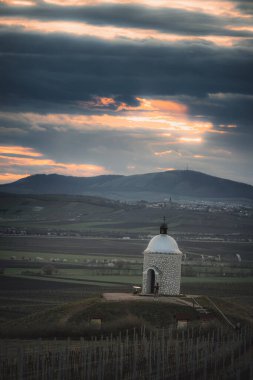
[(192, 353)]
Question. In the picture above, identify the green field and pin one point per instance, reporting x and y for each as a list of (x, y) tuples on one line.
[(90, 275), (80, 275), (70, 258), (91, 216)]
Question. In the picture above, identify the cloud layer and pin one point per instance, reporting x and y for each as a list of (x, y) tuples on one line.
[(89, 88)]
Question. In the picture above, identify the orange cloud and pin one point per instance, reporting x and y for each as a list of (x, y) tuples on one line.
[(97, 102), (19, 150), (190, 139), (11, 177), (106, 101), (9, 164), (145, 105), (163, 153), (219, 132), (65, 3), (163, 118), (166, 169), (199, 156), (109, 32), (218, 8), (24, 3), (82, 169), (165, 123), (244, 28), (167, 106)]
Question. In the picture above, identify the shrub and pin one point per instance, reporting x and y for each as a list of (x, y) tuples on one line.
[(48, 270)]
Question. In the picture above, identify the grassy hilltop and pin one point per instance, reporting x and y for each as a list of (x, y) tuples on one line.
[(76, 319)]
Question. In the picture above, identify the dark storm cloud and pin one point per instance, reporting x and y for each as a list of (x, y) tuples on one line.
[(225, 108), (167, 20), (244, 6), (231, 114), (44, 70)]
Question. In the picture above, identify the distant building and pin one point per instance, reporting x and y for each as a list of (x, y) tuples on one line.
[(162, 264)]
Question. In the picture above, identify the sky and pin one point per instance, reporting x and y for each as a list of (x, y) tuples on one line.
[(92, 87)]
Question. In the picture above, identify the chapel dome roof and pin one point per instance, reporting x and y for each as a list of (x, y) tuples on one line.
[(163, 243)]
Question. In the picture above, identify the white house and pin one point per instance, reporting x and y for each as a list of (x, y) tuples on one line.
[(162, 264)]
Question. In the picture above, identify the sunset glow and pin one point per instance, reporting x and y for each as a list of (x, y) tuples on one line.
[(224, 8), (190, 139), (91, 87), (165, 169), (110, 32), (20, 150), (152, 114), (22, 3), (164, 153), (45, 165), (11, 177), (160, 117)]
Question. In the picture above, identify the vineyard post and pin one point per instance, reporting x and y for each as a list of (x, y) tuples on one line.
[(177, 359), (20, 363), (121, 360)]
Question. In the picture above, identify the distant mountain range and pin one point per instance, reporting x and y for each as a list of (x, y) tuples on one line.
[(150, 186)]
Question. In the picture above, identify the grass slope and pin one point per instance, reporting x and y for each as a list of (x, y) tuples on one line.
[(75, 319)]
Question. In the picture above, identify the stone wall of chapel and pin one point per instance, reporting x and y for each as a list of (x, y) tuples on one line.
[(169, 266)]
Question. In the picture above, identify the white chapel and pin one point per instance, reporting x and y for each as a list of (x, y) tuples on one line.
[(162, 264)]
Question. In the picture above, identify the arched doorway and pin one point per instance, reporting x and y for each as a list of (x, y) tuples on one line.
[(150, 281)]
